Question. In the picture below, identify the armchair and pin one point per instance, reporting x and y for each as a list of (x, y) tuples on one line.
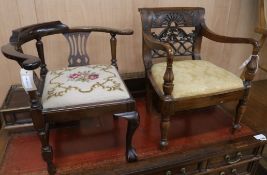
[(81, 90), (187, 84)]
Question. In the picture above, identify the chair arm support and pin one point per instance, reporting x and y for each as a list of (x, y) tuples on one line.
[(27, 62), (226, 39), (101, 29), (155, 44), (251, 67), (168, 75)]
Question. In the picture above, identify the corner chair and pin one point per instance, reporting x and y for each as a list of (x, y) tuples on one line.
[(81, 90), (174, 85)]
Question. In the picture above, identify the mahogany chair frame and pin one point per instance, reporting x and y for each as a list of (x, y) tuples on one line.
[(155, 18), (41, 117)]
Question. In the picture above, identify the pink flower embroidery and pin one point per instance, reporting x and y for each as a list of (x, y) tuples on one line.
[(74, 75), (84, 76), (93, 76)]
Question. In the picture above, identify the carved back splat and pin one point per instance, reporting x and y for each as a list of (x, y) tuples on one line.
[(181, 42), (172, 22), (172, 33), (77, 43)]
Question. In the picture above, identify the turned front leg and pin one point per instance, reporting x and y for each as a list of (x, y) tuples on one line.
[(133, 123), (240, 109), (164, 130), (148, 96), (250, 72), (43, 133), (42, 129)]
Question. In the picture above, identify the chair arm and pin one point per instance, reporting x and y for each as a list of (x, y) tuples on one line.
[(27, 62), (168, 75), (252, 65), (101, 29), (152, 43), (226, 39)]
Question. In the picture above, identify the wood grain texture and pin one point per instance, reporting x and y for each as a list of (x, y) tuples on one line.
[(233, 17)]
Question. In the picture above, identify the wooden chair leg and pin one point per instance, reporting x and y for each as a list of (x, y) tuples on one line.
[(148, 97), (42, 129), (240, 110), (164, 129), (133, 123)]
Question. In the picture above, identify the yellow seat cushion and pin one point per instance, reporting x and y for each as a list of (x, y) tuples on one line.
[(82, 85), (196, 78)]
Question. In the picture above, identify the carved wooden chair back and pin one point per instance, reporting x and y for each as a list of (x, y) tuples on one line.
[(78, 53), (76, 37), (173, 26)]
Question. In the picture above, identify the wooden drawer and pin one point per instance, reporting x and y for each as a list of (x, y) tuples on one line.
[(239, 161), (177, 170), (193, 169), (232, 158), (242, 169)]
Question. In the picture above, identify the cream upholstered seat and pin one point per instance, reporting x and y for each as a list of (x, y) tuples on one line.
[(196, 78), (82, 85)]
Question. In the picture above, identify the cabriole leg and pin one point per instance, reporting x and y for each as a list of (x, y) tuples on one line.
[(133, 123)]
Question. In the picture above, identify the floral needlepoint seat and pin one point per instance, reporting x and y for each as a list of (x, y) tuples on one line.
[(83, 85)]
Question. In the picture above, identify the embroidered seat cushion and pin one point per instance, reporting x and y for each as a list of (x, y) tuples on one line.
[(82, 85), (196, 78)]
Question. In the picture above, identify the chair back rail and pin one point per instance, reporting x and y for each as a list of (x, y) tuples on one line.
[(76, 38), (173, 22)]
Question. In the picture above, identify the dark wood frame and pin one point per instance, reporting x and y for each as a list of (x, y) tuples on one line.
[(42, 117), (167, 105)]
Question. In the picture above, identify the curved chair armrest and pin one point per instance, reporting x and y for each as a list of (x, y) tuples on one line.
[(168, 75), (101, 29), (226, 39), (155, 44), (27, 62)]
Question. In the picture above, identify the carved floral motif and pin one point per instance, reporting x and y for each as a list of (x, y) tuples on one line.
[(181, 18), (180, 41)]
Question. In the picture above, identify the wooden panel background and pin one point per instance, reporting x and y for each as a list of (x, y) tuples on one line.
[(227, 17)]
